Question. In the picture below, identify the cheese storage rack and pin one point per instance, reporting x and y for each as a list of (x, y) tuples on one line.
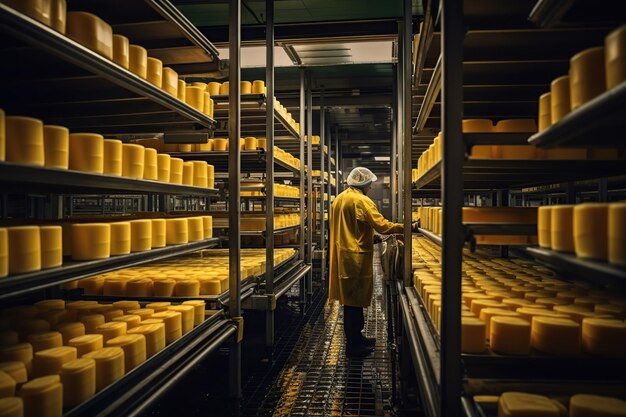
[(478, 61)]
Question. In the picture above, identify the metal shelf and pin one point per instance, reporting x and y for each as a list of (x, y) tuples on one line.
[(17, 285), (253, 116), (15, 177), (263, 233), (140, 388), (592, 271), (81, 89), (436, 239), (251, 161), (597, 123)]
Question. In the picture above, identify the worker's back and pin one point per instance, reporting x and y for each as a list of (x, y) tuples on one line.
[(347, 228)]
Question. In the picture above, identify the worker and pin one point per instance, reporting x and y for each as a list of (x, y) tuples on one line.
[(354, 217)]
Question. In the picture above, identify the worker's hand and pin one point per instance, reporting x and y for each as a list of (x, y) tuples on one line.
[(415, 226)]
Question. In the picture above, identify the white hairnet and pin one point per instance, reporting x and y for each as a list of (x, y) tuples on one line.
[(361, 177)]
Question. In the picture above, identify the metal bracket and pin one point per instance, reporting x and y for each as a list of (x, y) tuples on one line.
[(261, 302), (239, 323)]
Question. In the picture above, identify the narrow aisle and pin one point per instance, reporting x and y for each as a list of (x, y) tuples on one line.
[(311, 375)]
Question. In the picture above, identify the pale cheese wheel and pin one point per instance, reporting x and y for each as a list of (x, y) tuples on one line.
[(150, 171), (615, 57), (45, 340), (16, 370), (43, 397), (24, 140), (50, 361), (111, 330), (131, 320), (112, 157), (187, 316), (562, 228), (24, 248), (86, 343), (90, 31), (472, 335), (70, 330), (590, 230), (121, 53), (120, 238), (169, 81), (173, 325), (109, 365), (51, 238), (616, 234), (586, 405), (587, 76), (138, 60), (91, 322), (154, 73), (87, 152), (56, 141), (154, 335), (91, 241), (194, 96), (555, 336), (134, 346), (517, 404), (199, 307), (177, 231), (79, 381), (543, 226), (604, 337), (560, 103), (141, 235)]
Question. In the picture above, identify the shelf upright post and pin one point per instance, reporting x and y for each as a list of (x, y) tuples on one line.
[(329, 186), (269, 174), (452, 198), (337, 162), (400, 118), (302, 201), (234, 201), (309, 179), (407, 137), (322, 186), (393, 184)]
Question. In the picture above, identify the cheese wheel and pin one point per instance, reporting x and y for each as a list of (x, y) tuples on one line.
[(7, 385), (51, 246), (45, 340), (24, 249), (586, 405), (114, 286), (164, 287), (616, 234), (126, 305), (555, 336), (24, 143), (150, 171), (121, 54), (188, 173), (159, 233), (604, 337), (154, 335), (617, 311), (39, 10), (211, 106), (220, 144), (139, 287), (109, 365), (224, 88), (472, 335), (163, 167), (111, 330), (79, 381), (86, 343), (477, 305), (615, 57), (177, 231), (131, 320), (112, 157), (245, 87), (58, 15), (207, 225), (169, 81), (200, 174), (199, 308), (560, 104), (194, 96), (213, 88), (590, 230), (16, 370), (517, 404), (510, 335), (544, 120), (210, 176), (70, 330), (91, 322), (43, 397), (154, 73), (587, 76), (159, 306), (181, 90), (50, 361), (138, 60), (90, 31), (134, 346), (187, 316), (187, 288), (258, 87), (262, 143), (22, 352), (109, 315), (120, 238), (144, 313), (250, 143), (50, 304), (478, 126), (529, 312), (141, 235), (487, 313), (515, 151), (543, 226), (87, 152), (133, 160), (195, 227), (11, 407), (56, 141), (561, 228), (4, 252), (173, 324), (91, 241)]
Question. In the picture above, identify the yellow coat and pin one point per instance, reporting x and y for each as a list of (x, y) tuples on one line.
[(353, 218)]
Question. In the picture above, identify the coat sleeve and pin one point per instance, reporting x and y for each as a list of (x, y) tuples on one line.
[(368, 212)]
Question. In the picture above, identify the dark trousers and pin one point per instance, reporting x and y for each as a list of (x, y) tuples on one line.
[(353, 323)]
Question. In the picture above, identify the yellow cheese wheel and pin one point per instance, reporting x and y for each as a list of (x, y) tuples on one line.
[(133, 160), (159, 306), (16, 370), (587, 76), (188, 173), (90, 31), (479, 126), (91, 322), (11, 407), (141, 235), (43, 397), (245, 87), (110, 314), (39, 10), (472, 335), (131, 320), (181, 90), (534, 310), (138, 60), (173, 324), (86, 343), (562, 228), (154, 335), (177, 231), (615, 57), (7, 385), (199, 307), (207, 224), (4, 252), (50, 361), (200, 174), (224, 88), (121, 53), (45, 340), (50, 304), (487, 313), (24, 249), (262, 143), (109, 365), (586, 405), (70, 330), (112, 157), (126, 305), (510, 335), (58, 15), (560, 104), (195, 227), (543, 226), (555, 336), (22, 352), (187, 288), (517, 404), (169, 82), (515, 151), (120, 238), (194, 96), (139, 287), (250, 143), (24, 140), (79, 381), (220, 144), (544, 120), (210, 176), (258, 87), (134, 346), (604, 337), (111, 330), (477, 305), (150, 171), (56, 141), (164, 287), (158, 233), (187, 316), (590, 230), (154, 73), (213, 88), (144, 313), (114, 286), (51, 246), (91, 241), (87, 152), (616, 234), (163, 167)]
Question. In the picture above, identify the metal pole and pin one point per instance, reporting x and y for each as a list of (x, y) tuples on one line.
[(452, 198), (337, 161), (407, 136), (269, 173), (309, 178), (393, 184), (329, 186), (302, 202), (400, 117), (234, 204), (322, 186)]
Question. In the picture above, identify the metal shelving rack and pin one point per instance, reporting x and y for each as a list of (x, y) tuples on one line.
[(49, 76)]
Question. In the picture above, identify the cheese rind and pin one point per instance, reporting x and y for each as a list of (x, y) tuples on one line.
[(24, 142), (472, 335), (604, 337), (112, 157), (86, 343), (134, 346), (56, 141), (510, 335), (154, 73), (141, 235), (150, 171), (121, 53), (543, 226), (91, 241), (164, 167), (177, 231), (120, 238), (586, 405), (517, 404), (24, 249), (194, 96), (587, 76), (616, 233), (133, 160), (87, 152), (43, 397), (90, 31), (79, 381), (109, 365), (562, 228), (590, 230), (50, 361), (555, 336), (170, 81), (560, 98), (138, 60)]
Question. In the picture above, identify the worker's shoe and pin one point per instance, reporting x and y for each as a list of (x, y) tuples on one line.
[(358, 351), (368, 341)]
